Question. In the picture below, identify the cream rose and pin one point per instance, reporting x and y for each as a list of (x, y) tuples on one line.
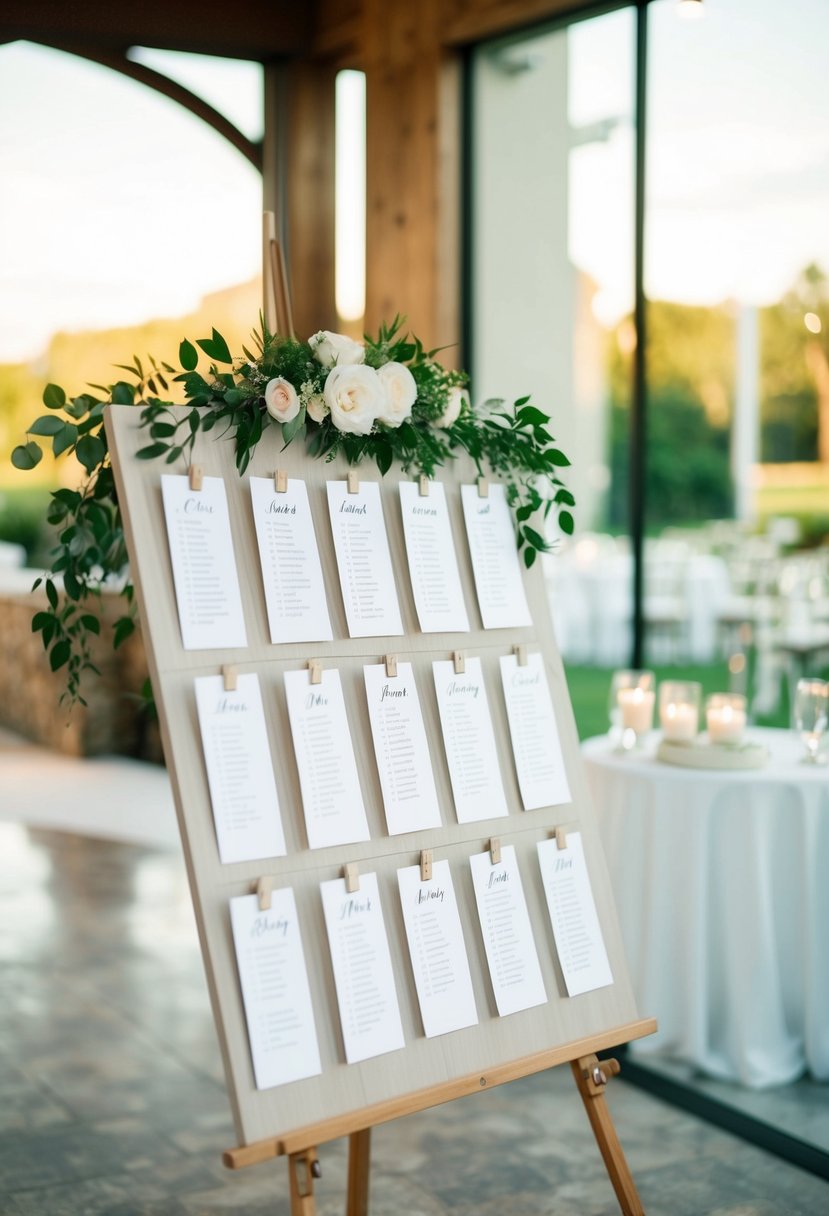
[(281, 399), (355, 396), (336, 350), (457, 400), (316, 409), (401, 393)]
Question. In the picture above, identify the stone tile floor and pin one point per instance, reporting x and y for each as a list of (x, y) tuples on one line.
[(112, 1101)]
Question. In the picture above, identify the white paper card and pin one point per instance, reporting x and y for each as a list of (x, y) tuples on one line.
[(578, 935), (366, 996), (407, 780), (331, 796), (508, 939), (470, 742), (433, 564), (498, 580), (437, 949), (204, 568), (290, 561), (363, 560), (539, 763), (277, 999), (237, 756)]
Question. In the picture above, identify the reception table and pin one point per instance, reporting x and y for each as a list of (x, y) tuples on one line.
[(722, 886)]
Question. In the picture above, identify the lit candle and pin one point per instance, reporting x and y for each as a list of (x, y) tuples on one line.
[(636, 706), (726, 723), (679, 721)]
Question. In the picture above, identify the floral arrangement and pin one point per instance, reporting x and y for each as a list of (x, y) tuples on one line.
[(383, 399)]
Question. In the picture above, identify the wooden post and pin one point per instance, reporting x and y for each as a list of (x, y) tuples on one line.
[(591, 1077), (303, 1168), (359, 1165)]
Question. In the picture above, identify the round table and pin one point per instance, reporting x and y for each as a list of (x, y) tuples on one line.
[(722, 888)]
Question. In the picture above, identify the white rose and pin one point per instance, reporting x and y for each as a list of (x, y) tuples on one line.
[(355, 396), (458, 399), (316, 409), (336, 349), (401, 393), (281, 399)]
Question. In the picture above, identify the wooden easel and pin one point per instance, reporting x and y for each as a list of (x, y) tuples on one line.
[(427, 1073), (591, 1076)]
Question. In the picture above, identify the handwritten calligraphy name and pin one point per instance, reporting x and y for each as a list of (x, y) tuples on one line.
[(354, 907)]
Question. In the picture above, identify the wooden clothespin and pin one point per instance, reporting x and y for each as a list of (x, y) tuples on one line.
[(423, 485), (520, 653), (280, 481), (351, 874), (353, 480), (230, 675), (459, 659), (426, 865), (561, 839), (264, 889), (391, 665), (495, 851), (315, 668), (483, 487), (196, 475)]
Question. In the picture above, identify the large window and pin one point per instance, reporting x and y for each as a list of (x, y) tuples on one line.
[(724, 384), (552, 284)]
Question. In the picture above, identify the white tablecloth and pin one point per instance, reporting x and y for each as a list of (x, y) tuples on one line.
[(722, 886)]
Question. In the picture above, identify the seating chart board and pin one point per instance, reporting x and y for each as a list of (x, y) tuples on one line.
[(415, 1069)]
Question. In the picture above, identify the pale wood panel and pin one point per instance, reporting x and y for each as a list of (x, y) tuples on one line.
[(343, 1089)]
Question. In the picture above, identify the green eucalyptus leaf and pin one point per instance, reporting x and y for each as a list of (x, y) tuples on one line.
[(54, 398), (290, 429), (90, 451), (565, 522), (188, 356), (27, 456), (215, 348), (64, 438), (59, 654), (123, 393), (529, 556), (47, 424), (151, 452), (124, 626)]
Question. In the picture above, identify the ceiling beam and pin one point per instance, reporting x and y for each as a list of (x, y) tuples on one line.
[(119, 62), (261, 30)]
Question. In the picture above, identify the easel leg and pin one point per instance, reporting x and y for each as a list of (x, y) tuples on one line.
[(303, 1168), (359, 1163), (591, 1078)]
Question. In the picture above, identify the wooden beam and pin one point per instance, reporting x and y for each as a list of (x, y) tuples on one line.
[(309, 194), (413, 114), (247, 29), (468, 21), (118, 62)]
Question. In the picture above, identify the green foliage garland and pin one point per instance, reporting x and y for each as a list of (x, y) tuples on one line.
[(434, 420)]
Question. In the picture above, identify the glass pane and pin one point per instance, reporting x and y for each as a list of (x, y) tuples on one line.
[(737, 252), (552, 290)]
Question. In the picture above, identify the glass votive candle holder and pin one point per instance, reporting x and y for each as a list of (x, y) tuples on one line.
[(632, 700), (679, 706), (725, 717)]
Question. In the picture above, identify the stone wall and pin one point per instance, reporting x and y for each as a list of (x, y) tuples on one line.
[(115, 719)]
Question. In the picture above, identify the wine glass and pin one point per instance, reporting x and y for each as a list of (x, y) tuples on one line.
[(811, 713)]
